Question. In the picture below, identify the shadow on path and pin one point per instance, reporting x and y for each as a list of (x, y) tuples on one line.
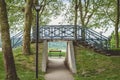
[(57, 70)]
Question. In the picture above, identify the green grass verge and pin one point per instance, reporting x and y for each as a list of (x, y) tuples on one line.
[(94, 66), (56, 54), (25, 64)]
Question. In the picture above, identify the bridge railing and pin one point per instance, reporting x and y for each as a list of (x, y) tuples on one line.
[(16, 40), (97, 40), (59, 32), (67, 32)]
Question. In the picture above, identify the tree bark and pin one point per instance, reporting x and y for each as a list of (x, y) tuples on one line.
[(76, 15), (6, 44), (117, 24), (27, 27), (82, 19)]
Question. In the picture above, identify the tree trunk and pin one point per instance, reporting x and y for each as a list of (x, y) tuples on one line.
[(75, 23), (116, 25), (27, 27), (82, 20), (6, 44)]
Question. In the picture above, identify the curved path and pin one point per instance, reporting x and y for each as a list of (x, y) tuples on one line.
[(57, 70)]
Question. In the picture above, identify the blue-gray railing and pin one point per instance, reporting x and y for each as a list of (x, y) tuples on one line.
[(67, 32), (16, 40), (97, 40)]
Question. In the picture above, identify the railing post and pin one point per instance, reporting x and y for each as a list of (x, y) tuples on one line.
[(83, 33), (101, 42), (13, 42), (108, 44), (75, 32)]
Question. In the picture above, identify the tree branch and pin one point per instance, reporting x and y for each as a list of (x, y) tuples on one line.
[(86, 8), (106, 11), (89, 16), (81, 12), (43, 7)]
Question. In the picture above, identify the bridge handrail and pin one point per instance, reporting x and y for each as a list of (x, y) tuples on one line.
[(16, 39), (98, 34), (18, 33), (103, 43), (67, 32)]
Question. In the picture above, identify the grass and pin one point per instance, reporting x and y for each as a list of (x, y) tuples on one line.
[(2, 72), (25, 64), (94, 66), (62, 54), (90, 65)]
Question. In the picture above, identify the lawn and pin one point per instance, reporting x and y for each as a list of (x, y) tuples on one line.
[(56, 54), (90, 65), (25, 64), (94, 66)]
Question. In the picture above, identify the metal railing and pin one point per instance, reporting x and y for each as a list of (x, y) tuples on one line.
[(66, 32), (97, 40), (16, 40)]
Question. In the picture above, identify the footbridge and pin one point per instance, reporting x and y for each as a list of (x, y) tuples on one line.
[(69, 33), (65, 33)]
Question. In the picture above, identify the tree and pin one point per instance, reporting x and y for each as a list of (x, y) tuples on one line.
[(28, 22), (85, 10), (76, 15), (6, 44), (45, 14), (112, 11), (117, 20), (15, 15), (27, 26)]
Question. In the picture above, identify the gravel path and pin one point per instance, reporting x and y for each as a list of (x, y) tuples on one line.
[(57, 70)]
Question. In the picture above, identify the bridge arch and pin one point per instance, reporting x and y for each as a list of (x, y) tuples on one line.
[(69, 57)]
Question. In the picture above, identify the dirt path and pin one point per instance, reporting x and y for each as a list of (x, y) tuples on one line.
[(57, 70)]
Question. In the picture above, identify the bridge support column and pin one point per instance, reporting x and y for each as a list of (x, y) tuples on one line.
[(70, 58), (45, 56)]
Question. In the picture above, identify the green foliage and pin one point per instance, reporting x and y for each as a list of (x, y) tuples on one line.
[(25, 64), (2, 72), (15, 14), (112, 41), (57, 45), (56, 54), (103, 13), (93, 66), (52, 9)]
